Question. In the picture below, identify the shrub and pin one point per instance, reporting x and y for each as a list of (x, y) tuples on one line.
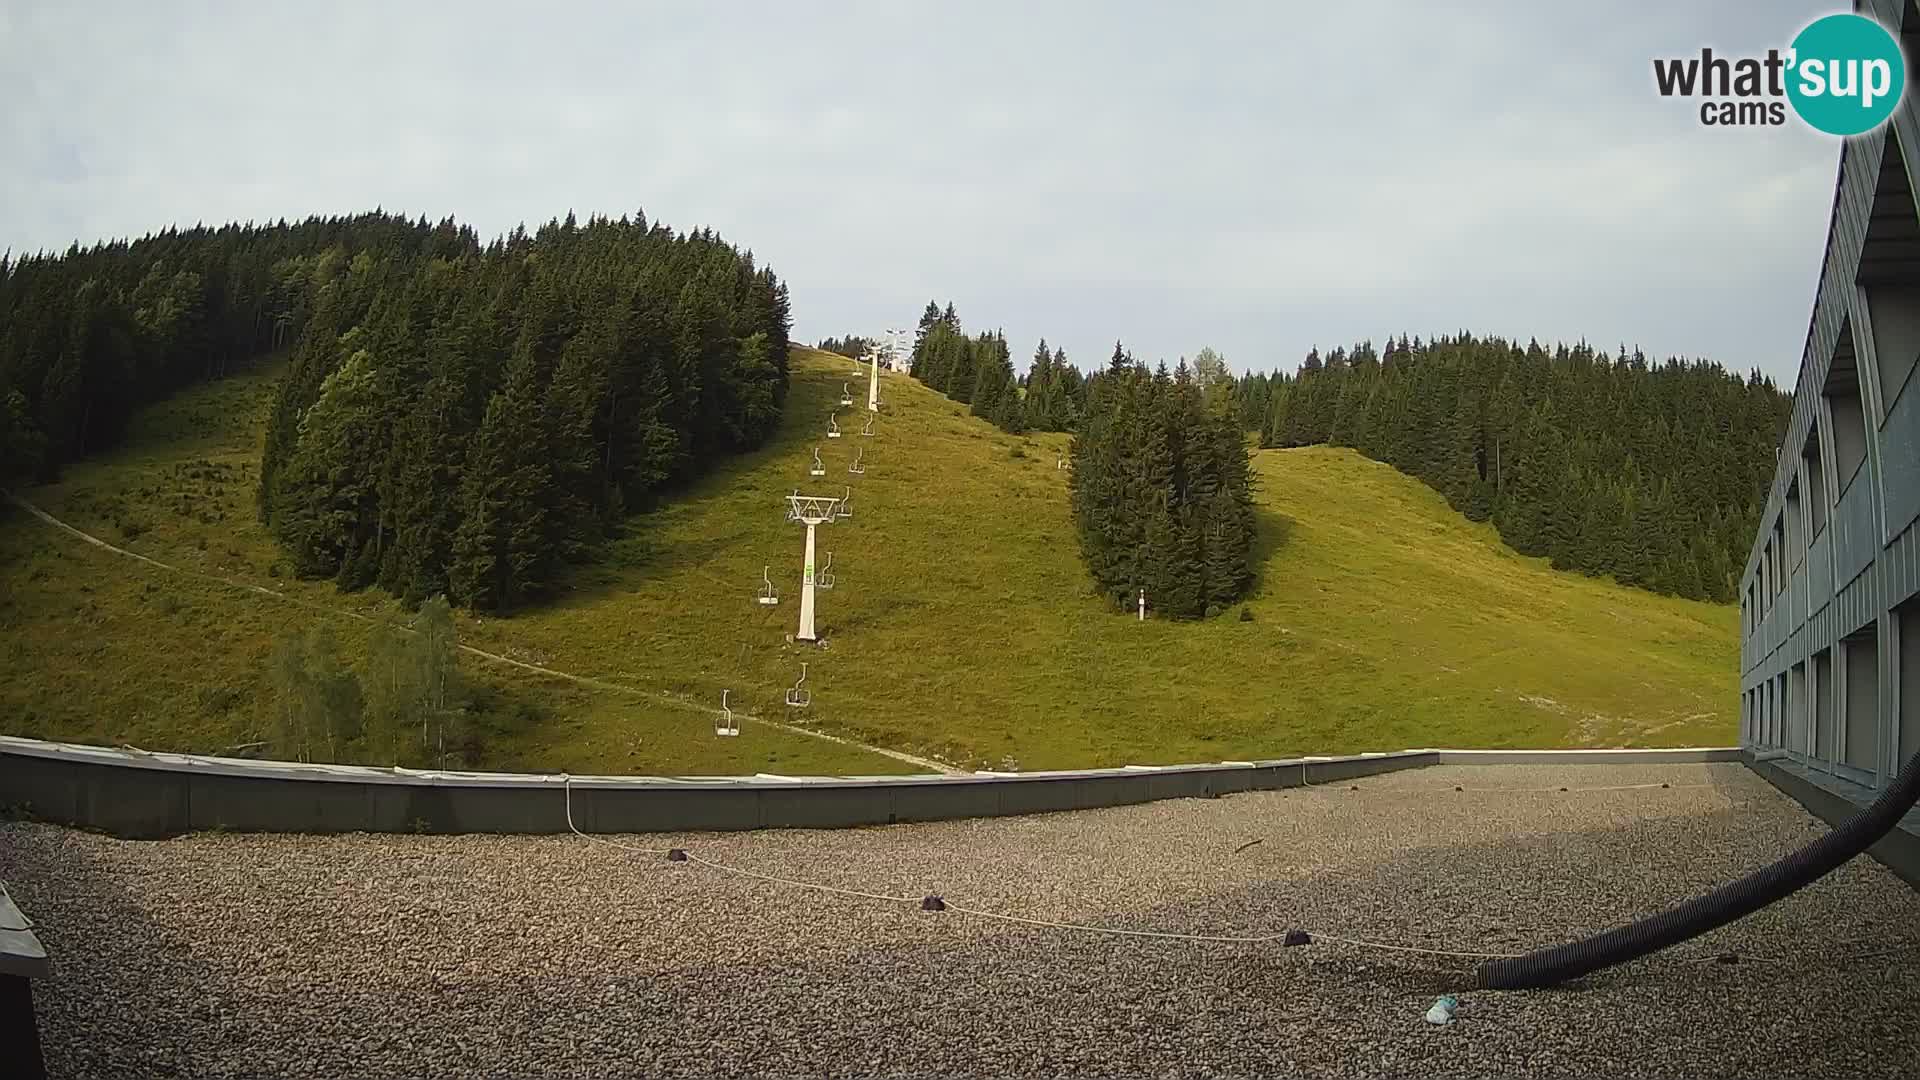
[(1246, 614)]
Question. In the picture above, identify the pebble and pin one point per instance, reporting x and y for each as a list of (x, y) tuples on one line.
[(359, 955)]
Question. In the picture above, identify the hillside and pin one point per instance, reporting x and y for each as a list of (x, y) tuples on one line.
[(962, 626)]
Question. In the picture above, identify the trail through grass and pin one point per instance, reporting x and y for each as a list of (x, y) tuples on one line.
[(961, 626)]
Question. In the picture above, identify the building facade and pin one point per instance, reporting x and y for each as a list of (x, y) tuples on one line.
[(1829, 616)]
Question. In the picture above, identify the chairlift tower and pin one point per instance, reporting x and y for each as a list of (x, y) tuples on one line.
[(811, 510), (873, 382)]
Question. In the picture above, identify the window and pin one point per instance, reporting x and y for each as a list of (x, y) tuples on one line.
[(1798, 719), (1816, 482), (1782, 560), (1890, 273), (1849, 425), (1766, 578), (1796, 541), (1906, 619), (1862, 672), (1823, 705)]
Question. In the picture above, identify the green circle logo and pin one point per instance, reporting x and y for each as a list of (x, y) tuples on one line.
[(1847, 74)]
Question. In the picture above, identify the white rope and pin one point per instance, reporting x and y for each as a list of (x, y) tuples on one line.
[(566, 782), (1576, 790), (1084, 928)]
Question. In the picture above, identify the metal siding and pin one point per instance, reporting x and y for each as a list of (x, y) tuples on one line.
[(1820, 571), (1856, 541), (1867, 559), (1900, 458)]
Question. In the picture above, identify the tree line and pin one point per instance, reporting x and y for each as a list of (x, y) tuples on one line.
[(462, 419), (1651, 473), (853, 345), (977, 371), (1161, 488), (88, 334), (1160, 481)]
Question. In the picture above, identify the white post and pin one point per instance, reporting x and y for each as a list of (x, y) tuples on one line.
[(806, 592), (1143, 599), (873, 384)]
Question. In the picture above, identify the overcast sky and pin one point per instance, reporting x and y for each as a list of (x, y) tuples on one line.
[(1259, 177)]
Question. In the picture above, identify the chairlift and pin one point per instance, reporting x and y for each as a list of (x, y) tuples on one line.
[(840, 510), (1060, 461), (726, 725), (846, 395), (823, 578), (817, 469), (868, 430), (798, 697), (857, 468), (768, 594), (833, 428)]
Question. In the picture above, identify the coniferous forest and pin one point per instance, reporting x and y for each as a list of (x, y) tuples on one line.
[(1161, 490), (464, 419), (1161, 485), (1653, 473), (978, 371), (89, 334), (457, 418), (852, 346)]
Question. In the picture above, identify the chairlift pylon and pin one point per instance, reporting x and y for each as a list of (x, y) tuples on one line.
[(823, 578), (768, 594), (833, 427), (726, 725), (798, 697), (857, 468), (816, 469)]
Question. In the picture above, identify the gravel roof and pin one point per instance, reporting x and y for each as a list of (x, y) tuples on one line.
[(380, 955)]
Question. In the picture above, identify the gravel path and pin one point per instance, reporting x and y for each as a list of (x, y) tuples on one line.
[(390, 955)]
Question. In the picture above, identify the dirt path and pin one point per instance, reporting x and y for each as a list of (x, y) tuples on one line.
[(583, 680)]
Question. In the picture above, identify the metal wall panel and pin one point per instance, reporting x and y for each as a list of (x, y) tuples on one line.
[(1900, 458), (1867, 559)]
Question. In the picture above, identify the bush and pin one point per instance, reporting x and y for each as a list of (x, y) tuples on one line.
[(1016, 452), (1246, 614)]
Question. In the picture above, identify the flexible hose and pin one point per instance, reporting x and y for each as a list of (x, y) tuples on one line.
[(1737, 899)]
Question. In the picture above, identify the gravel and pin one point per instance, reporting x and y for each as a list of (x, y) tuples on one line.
[(221, 954)]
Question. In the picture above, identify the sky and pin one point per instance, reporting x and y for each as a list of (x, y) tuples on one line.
[(1257, 177)]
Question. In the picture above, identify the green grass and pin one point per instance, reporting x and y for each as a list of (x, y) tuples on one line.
[(963, 624)]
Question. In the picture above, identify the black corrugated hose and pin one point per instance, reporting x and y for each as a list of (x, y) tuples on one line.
[(1546, 967)]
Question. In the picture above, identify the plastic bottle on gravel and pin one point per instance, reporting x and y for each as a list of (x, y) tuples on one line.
[(1442, 1010)]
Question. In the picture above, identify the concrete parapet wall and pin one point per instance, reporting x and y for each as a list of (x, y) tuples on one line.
[(136, 794)]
